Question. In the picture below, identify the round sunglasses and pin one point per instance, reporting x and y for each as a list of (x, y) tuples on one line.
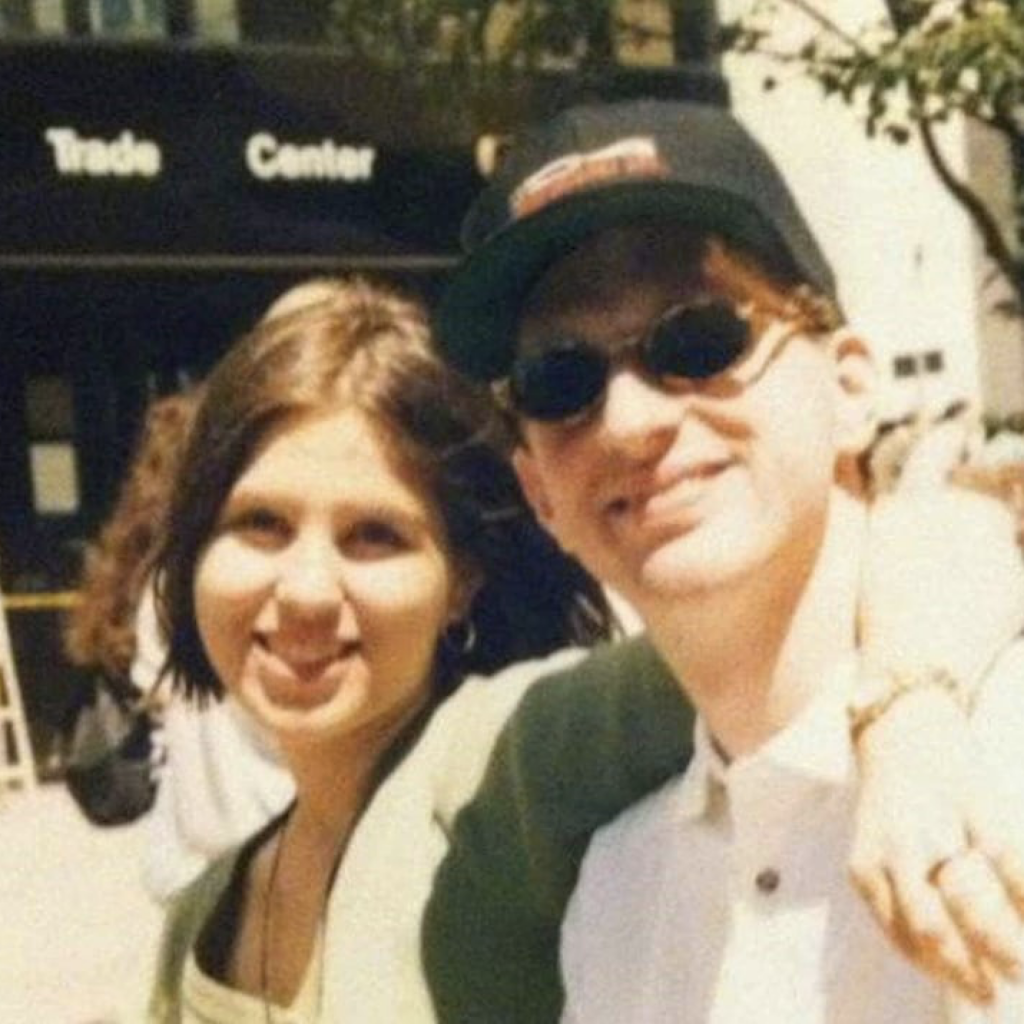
[(570, 375)]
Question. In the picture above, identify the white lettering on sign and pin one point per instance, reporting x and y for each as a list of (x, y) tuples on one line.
[(267, 159), (125, 156)]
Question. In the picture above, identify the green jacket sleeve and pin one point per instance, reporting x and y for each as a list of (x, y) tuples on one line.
[(582, 746), (186, 915)]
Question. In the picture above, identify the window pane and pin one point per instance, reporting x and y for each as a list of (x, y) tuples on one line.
[(49, 408)]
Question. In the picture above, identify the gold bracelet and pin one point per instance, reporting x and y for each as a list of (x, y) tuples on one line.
[(872, 701)]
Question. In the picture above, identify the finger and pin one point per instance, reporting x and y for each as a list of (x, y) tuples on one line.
[(874, 888), (899, 933), (934, 940), (982, 911), (1008, 863)]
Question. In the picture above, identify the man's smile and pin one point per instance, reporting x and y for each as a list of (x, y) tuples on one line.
[(671, 500)]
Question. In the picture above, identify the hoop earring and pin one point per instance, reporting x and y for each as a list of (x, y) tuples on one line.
[(460, 637)]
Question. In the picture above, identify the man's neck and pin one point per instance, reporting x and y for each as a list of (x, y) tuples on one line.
[(752, 656)]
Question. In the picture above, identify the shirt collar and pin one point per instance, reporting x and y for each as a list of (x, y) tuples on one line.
[(815, 747)]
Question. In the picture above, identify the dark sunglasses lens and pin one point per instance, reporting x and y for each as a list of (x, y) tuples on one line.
[(558, 383), (698, 343)]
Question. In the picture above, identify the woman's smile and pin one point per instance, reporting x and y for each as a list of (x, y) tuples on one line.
[(303, 682)]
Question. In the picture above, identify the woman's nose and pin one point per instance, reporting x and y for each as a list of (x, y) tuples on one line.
[(310, 581)]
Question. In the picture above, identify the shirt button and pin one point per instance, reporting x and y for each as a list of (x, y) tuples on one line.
[(767, 881)]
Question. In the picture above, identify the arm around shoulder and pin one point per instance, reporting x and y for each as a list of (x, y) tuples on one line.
[(581, 746)]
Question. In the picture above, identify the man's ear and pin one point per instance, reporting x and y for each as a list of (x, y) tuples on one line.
[(533, 487), (857, 386)]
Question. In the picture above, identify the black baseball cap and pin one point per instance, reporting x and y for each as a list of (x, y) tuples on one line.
[(594, 167)]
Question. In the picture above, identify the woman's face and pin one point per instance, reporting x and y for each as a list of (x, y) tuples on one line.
[(322, 593)]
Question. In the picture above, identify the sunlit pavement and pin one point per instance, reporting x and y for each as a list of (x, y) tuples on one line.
[(77, 930)]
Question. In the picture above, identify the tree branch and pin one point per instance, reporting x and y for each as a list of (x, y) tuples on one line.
[(826, 23), (995, 245), (899, 20)]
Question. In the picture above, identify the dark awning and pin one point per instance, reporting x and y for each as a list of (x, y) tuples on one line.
[(159, 155), (162, 152)]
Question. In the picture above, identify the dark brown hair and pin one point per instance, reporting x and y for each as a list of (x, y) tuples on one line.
[(100, 630), (367, 347), (700, 263)]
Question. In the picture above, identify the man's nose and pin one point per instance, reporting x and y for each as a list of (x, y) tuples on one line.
[(639, 416)]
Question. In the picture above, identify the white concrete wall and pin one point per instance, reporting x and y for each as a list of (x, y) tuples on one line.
[(906, 257)]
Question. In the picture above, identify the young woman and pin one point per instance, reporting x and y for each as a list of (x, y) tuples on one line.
[(223, 778), (347, 541)]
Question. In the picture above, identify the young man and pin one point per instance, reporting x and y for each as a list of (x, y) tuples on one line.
[(691, 412)]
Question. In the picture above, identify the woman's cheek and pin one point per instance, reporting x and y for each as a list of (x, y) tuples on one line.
[(404, 589), (230, 588), (232, 571)]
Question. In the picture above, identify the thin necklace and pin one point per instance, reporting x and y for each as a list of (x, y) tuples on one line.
[(275, 864), (265, 924)]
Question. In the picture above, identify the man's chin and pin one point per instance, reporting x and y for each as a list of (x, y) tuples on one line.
[(681, 572)]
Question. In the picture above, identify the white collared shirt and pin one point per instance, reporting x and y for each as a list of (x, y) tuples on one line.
[(724, 897)]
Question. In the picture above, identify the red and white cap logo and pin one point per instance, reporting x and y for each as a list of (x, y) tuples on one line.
[(636, 157)]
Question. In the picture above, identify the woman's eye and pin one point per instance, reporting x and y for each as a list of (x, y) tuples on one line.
[(375, 538), (259, 526)]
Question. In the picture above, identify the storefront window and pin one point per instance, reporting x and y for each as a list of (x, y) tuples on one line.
[(53, 462), (208, 20), (632, 33), (645, 35), (128, 17), (216, 20), (16, 17)]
